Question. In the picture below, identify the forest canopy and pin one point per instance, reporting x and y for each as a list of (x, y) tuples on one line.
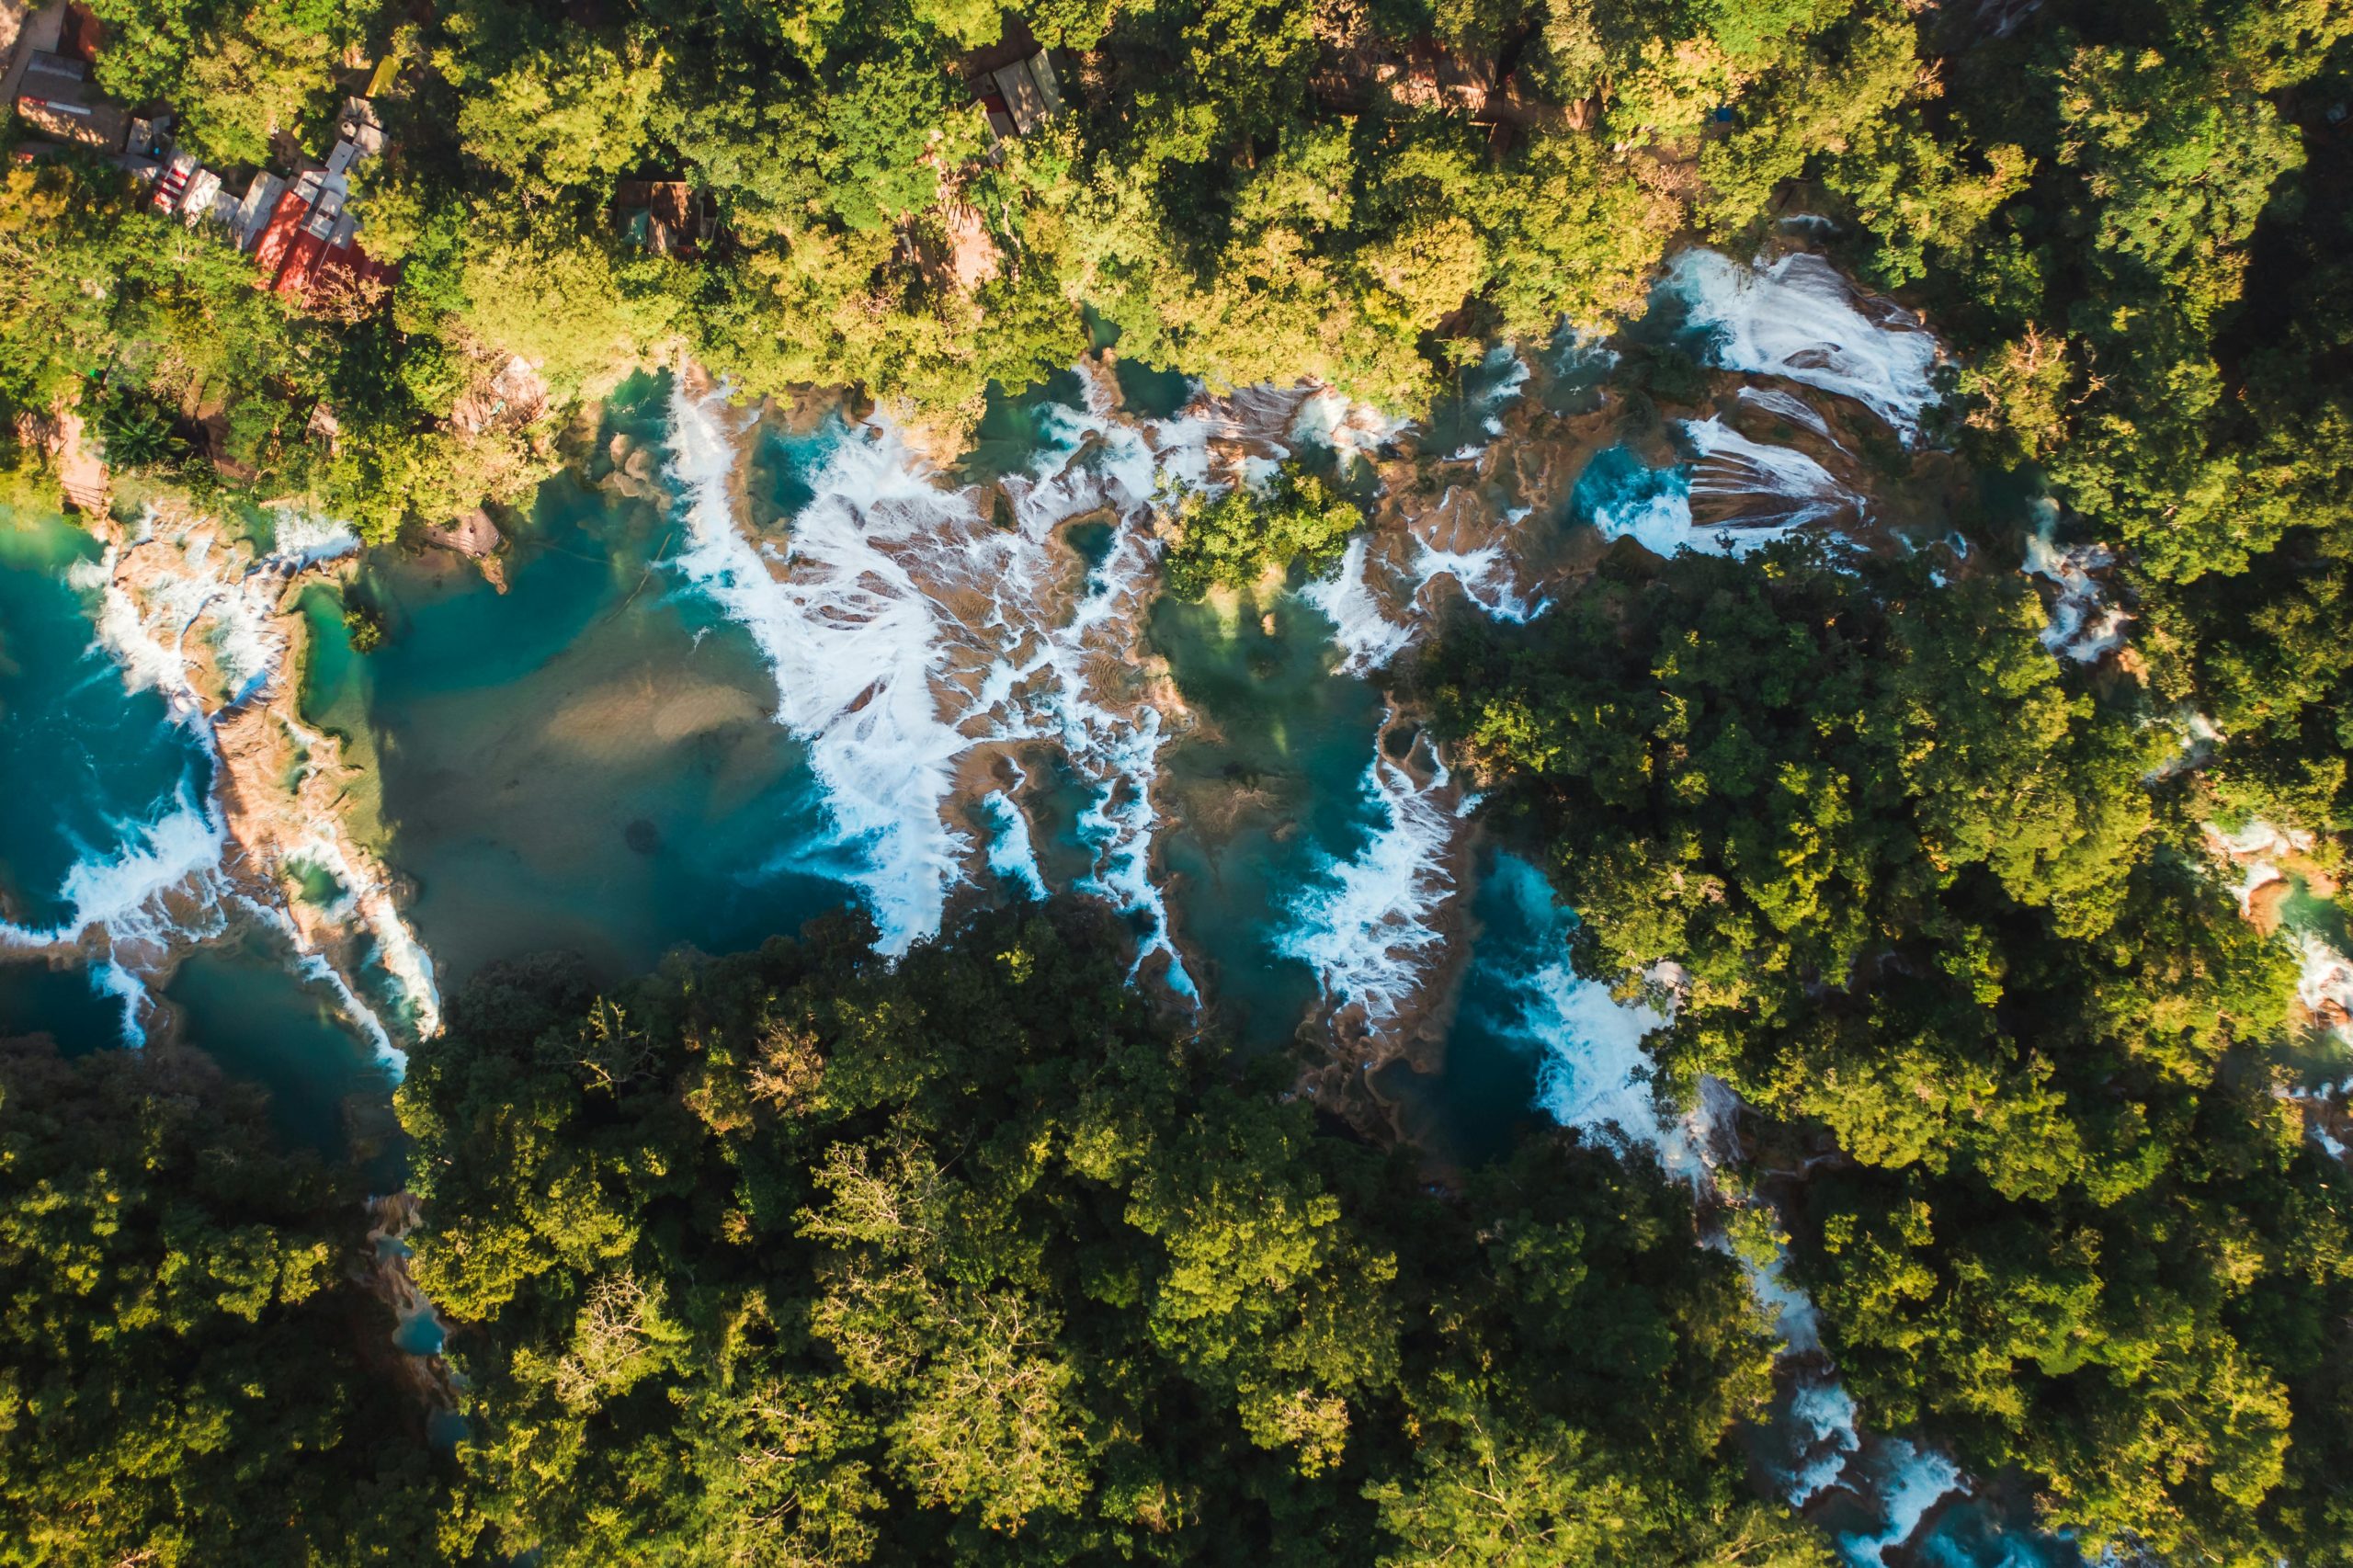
[(800, 1256)]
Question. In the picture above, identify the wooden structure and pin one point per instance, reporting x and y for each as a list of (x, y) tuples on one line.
[(309, 241), (664, 216), (1018, 95), (54, 97)]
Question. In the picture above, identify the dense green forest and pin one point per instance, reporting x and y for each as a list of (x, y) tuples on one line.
[(794, 1257), (1933, 916), (800, 1258), (1251, 189), (182, 1372)]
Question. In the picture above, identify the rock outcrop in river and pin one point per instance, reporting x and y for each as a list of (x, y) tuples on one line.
[(189, 609)]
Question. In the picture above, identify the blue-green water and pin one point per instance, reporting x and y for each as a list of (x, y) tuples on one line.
[(244, 1004), (87, 764), (1010, 435), (1264, 796), (590, 761), (59, 1003), (586, 762), (1485, 1092), (84, 757)]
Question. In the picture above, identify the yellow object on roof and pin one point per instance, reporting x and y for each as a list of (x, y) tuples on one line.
[(386, 69)]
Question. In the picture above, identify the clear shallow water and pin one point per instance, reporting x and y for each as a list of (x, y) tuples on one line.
[(245, 1005), (586, 762), (1488, 1090), (89, 762), (1263, 797), (90, 767), (84, 759), (59, 1003)]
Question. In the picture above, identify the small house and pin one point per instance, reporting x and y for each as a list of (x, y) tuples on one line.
[(1018, 94), (255, 211), (197, 202), (174, 183), (55, 98), (360, 125), (658, 215)]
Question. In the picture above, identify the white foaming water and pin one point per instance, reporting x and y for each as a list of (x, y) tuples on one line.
[(1820, 1424), (903, 628), (1050, 690), (398, 953), (2325, 985), (1045, 683), (2258, 837), (1510, 374), (1796, 489), (1484, 576), (1913, 1480), (1362, 628), (305, 542), (1786, 405), (159, 885), (1011, 855), (203, 588), (1798, 319), (1593, 1073), (2082, 627), (121, 892), (1367, 638), (2257, 877), (1366, 923), (1596, 1075), (314, 966), (1354, 431), (1657, 516), (110, 978), (1796, 1319), (852, 640), (168, 887)]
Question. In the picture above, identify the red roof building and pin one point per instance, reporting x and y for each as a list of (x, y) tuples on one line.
[(303, 249), (279, 234)]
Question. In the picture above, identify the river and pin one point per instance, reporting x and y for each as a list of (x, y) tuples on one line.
[(752, 665)]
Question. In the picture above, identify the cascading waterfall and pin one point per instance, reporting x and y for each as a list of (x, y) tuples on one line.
[(1907, 1481), (2256, 852), (1484, 576), (906, 630), (1368, 639), (195, 617), (1798, 319), (1595, 1074), (1790, 408), (1624, 498), (1772, 490), (1012, 857), (161, 888), (1767, 493), (2083, 626), (854, 640), (1367, 925), (1592, 1070)]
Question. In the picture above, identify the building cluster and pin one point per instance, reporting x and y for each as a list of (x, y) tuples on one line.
[(298, 227)]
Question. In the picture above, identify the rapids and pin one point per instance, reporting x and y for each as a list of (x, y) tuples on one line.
[(751, 664)]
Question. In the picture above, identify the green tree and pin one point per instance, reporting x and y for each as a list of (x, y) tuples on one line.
[(182, 1373), (1242, 535)]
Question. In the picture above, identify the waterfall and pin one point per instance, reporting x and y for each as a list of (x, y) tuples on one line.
[(1798, 319)]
